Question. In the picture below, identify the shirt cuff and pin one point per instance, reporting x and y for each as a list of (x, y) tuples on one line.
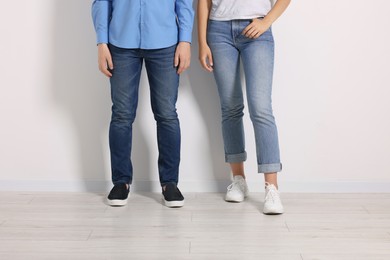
[(185, 36), (102, 38)]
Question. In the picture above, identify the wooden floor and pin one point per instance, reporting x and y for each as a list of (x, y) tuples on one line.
[(82, 226)]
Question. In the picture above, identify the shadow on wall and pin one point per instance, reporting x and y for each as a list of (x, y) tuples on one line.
[(80, 90), (205, 93), (76, 87), (84, 94)]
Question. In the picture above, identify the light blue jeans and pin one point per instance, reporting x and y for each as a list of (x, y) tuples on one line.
[(228, 45)]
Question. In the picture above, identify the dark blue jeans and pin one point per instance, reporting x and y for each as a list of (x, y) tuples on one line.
[(164, 83)]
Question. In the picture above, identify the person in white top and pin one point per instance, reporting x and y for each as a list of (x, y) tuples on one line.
[(225, 10), (231, 31)]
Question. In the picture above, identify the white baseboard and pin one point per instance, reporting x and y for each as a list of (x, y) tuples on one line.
[(195, 186)]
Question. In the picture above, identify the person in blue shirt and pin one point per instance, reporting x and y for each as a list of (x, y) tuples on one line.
[(157, 33)]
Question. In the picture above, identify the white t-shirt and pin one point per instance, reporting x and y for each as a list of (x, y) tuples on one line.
[(225, 10)]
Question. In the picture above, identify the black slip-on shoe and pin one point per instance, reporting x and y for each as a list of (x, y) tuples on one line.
[(118, 195), (172, 196)]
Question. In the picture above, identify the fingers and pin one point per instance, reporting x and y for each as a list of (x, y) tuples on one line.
[(184, 64), (105, 67), (105, 60), (211, 63), (207, 62), (246, 29), (253, 30), (204, 64), (176, 59), (206, 58), (110, 63), (182, 57), (109, 66), (256, 35)]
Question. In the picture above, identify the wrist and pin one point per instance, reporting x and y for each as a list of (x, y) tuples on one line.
[(203, 44), (268, 21)]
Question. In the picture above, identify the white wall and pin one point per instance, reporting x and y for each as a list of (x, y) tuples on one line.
[(331, 93)]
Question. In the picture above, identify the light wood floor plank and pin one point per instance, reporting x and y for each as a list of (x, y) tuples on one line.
[(346, 257), (60, 234), (146, 256), (297, 246), (95, 247), (15, 198), (82, 226)]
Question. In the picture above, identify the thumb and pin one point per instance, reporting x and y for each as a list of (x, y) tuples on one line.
[(110, 63), (176, 59), (210, 57)]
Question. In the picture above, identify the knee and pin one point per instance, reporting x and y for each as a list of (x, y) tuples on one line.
[(164, 110), (122, 116), (166, 116), (262, 114), (232, 111)]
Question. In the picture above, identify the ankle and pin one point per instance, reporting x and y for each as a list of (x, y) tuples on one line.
[(267, 183), (239, 174)]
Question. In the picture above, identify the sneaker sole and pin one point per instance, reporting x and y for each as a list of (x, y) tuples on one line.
[(237, 200), (117, 203), (275, 212), (174, 204), (234, 200)]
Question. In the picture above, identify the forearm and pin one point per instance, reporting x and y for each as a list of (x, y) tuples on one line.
[(276, 11), (101, 15), (185, 17), (204, 7)]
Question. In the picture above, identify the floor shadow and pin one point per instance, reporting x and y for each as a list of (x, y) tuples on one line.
[(154, 196)]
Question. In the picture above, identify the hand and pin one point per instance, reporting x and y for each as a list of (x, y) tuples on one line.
[(206, 58), (182, 56), (105, 60), (256, 28)]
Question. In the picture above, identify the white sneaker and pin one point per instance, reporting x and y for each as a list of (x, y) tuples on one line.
[(272, 203), (238, 190)]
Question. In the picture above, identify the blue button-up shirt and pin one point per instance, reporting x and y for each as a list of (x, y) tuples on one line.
[(144, 24)]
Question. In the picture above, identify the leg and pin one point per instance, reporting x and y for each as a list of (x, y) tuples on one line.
[(237, 169), (258, 61), (227, 75), (164, 83), (271, 178), (124, 95)]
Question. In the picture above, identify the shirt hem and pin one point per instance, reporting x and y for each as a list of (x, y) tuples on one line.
[(143, 47), (235, 18)]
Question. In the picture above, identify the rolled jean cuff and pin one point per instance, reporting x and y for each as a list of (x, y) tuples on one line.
[(235, 158), (267, 168)]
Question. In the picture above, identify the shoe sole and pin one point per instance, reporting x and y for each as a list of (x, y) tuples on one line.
[(234, 200), (275, 212), (174, 204), (227, 199), (117, 203)]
